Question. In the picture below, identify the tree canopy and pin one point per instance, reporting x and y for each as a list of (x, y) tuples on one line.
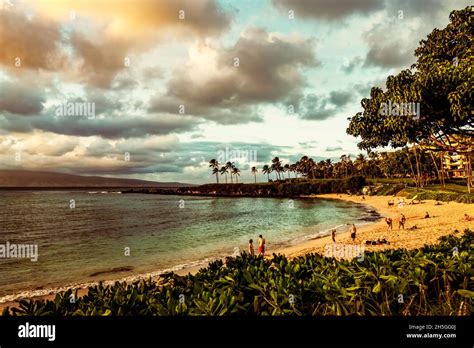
[(440, 81)]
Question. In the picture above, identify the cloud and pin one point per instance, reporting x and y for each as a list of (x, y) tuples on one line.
[(106, 127), (21, 99), (156, 154), (203, 17), (317, 107), (350, 65), (387, 53), (393, 39), (340, 98), (102, 34), (53, 146), (35, 41), (225, 84), (99, 61), (333, 148), (329, 10), (135, 147)]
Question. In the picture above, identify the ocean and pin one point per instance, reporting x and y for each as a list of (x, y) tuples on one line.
[(84, 237)]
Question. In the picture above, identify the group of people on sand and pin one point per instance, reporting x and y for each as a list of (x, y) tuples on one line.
[(401, 222), (261, 246), (353, 231), (402, 219)]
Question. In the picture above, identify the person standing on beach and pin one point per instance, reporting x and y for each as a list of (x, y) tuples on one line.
[(261, 245), (333, 235), (389, 222), (353, 232), (251, 251), (401, 221)]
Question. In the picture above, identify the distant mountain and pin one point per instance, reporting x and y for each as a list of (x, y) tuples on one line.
[(37, 179)]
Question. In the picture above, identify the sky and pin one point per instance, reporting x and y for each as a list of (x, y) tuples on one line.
[(154, 89)]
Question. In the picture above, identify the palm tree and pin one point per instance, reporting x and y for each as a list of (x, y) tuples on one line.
[(267, 170), (311, 167), (344, 164), (229, 166), (328, 166), (215, 171), (254, 171), (293, 168), (224, 171), (236, 172), (298, 168), (303, 166), (286, 168), (321, 169), (360, 163), (276, 165), (214, 164)]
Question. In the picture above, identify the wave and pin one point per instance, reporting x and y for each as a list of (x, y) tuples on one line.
[(84, 285), (319, 234), (366, 218)]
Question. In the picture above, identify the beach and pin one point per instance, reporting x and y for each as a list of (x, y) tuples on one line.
[(445, 218)]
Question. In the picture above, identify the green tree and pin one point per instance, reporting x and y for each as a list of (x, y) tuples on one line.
[(224, 170), (230, 166), (254, 171), (267, 170), (276, 167), (441, 82), (214, 165), (236, 173)]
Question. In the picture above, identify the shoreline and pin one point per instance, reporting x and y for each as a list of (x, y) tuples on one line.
[(445, 218)]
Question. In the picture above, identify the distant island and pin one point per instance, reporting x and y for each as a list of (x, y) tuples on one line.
[(10, 179)]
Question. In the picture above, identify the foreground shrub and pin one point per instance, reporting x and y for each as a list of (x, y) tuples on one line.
[(433, 280)]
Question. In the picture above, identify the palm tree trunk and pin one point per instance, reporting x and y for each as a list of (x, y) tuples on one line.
[(468, 172), (436, 166), (225, 178), (418, 169), (217, 177), (412, 170), (442, 169)]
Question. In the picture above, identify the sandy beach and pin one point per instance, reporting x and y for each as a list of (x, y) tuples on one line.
[(445, 218)]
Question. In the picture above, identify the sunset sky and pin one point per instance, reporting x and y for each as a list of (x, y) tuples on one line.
[(167, 90)]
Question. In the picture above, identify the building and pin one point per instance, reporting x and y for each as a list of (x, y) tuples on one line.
[(454, 165)]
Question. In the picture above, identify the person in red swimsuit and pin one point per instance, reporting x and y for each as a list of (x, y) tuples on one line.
[(261, 245)]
